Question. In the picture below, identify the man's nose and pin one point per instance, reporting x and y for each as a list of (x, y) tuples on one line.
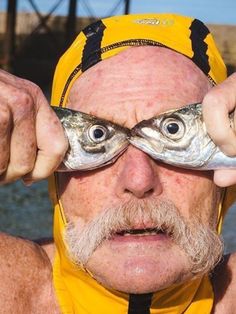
[(138, 175)]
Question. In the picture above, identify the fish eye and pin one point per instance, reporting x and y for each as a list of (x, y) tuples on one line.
[(173, 128), (97, 133)]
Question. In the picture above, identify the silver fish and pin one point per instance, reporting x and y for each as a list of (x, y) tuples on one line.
[(179, 138), (93, 142)]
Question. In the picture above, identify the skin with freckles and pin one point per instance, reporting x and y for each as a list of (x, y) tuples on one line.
[(119, 90)]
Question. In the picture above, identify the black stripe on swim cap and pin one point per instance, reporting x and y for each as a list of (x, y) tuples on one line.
[(92, 49), (199, 32), (140, 303)]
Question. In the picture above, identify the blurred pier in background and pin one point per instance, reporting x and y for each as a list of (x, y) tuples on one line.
[(31, 43)]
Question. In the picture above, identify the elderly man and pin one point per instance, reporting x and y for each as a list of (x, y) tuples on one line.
[(133, 68)]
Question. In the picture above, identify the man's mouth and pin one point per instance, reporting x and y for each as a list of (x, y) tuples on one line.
[(140, 232), (141, 235)]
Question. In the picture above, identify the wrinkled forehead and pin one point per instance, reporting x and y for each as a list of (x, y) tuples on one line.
[(147, 78), (110, 36)]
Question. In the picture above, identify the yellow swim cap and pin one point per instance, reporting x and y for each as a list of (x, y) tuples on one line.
[(107, 37)]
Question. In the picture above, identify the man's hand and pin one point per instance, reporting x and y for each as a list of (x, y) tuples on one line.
[(32, 140), (217, 104)]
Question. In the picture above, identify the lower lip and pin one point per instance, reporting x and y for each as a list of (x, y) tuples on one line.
[(136, 238)]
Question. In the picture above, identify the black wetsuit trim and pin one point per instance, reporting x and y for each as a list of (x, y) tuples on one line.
[(140, 303), (92, 49), (198, 34)]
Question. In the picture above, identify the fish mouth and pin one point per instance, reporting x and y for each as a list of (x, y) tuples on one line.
[(65, 166), (119, 152), (147, 145), (141, 140)]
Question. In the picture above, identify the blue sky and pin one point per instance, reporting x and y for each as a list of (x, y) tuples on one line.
[(209, 11)]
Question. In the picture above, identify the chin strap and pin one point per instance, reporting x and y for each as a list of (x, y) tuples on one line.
[(140, 303)]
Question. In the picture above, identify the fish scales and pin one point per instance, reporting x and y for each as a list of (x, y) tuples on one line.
[(179, 138), (93, 142)]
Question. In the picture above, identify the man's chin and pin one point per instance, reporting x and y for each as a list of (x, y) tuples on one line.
[(139, 269)]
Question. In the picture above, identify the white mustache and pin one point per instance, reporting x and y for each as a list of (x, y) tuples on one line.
[(202, 245)]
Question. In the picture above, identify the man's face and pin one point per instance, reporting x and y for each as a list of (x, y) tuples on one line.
[(135, 85)]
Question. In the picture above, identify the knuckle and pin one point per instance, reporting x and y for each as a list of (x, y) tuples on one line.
[(24, 108), (229, 150), (227, 144), (222, 137), (41, 174), (25, 99), (208, 98), (29, 86), (21, 169), (37, 90), (4, 116), (222, 144), (59, 151), (212, 98), (3, 167)]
